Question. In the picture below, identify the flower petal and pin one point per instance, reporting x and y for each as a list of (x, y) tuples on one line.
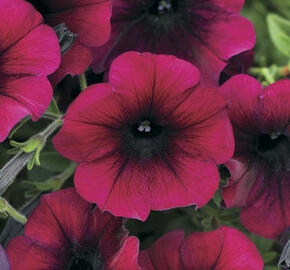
[(81, 16), (268, 215), (229, 36), (242, 94), (37, 53), (204, 125), (238, 252), (130, 189), (165, 253), (275, 105), (19, 18), (73, 62), (126, 258), (25, 254), (34, 93), (87, 122), (145, 72), (10, 114)]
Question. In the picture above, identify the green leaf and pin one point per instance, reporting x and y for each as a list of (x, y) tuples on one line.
[(279, 29), (52, 161)]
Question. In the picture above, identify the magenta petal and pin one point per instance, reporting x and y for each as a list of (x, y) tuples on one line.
[(238, 252), (242, 94), (201, 250), (236, 193), (64, 208), (275, 105), (90, 19), (74, 62), (230, 36), (34, 93), (204, 114), (167, 73), (126, 258), (223, 249), (268, 215), (19, 18), (165, 254), (87, 122), (233, 6), (11, 112), (37, 53), (25, 254), (132, 193)]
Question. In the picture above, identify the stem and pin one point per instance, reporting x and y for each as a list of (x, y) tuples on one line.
[(12, 168), (6, 207), (50, 115), (51, 128), (83, 82)]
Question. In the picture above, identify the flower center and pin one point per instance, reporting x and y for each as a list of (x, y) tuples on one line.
[(144, 139), (274, 151), (269, 142), (80, 264), (146, 129), (161, 7)]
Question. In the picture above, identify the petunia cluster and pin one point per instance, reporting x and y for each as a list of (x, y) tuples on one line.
[(151, 136)]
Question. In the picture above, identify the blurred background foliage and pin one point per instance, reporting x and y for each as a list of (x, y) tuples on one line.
[(271, 19)]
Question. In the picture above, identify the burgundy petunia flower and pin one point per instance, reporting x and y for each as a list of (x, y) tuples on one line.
[(4, 263), (29, 51), (260, 167), (204, 32), (66, 232), (148, 139), (90, 19), (222, 249)]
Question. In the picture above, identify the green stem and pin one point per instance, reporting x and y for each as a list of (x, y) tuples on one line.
[(6, 207), (83, 82), (51, 128), (50, 115)]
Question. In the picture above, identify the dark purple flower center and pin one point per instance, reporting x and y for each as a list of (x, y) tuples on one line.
[(145, 139), (80, 264), (86, 259), (274, 150), (163, 7)]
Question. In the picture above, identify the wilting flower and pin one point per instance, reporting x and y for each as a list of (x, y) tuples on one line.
[(66, 232), (4, 260), (260, 168), (204, 32), (90, 19), (148, 139), (29, 51), (222, 249)]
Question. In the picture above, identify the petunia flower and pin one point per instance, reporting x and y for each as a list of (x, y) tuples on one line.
[(66, 232), (148, 139), (29, 51), (260, 167), (205, 32), (89, 19), (4, 262), (223, 249)]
